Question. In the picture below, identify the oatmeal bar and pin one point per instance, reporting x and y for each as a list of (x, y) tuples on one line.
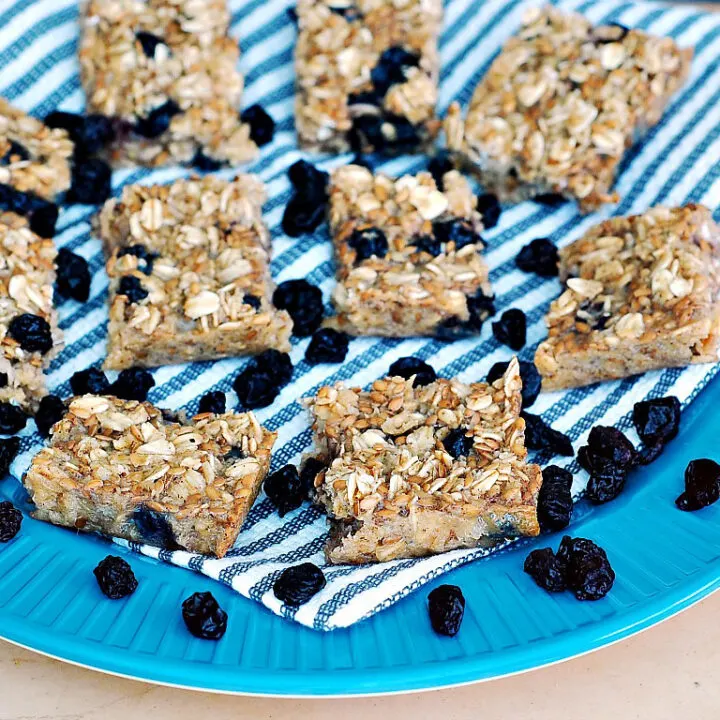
[(407, 254), (119, 468), (28, 320), (165, 70), (367, 74), (561, 104), (416, 471), (642, 293), (189, 273)]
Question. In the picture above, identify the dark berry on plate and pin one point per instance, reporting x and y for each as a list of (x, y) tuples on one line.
[(23, 203), (531, 380), (91, 381), (73, 275), (610, 32), (262, 126), (43, 220), (12, 418), (457, 443), (90, 182), (306, 209), (511, 329), (115, 577), (132, 384), (252, 300), (16, 153), (212, 402), (391, 67), (587, 569), (650, 453), (306, 178), (555, 504), (327, 346), (284, 489), (406, 367), (702, 485), (204, 162), (50, 410), (277, 363), (132, 288), (308, 472), (540, 436), (367, 243), (459, 232), (260, 382), (154, 528), (446, 607), (10, 521), (158, 120), (606, 446), (427, 243), (606, 484), (657, 420), (203, 616), (304, 303), (3, 380), (438, 166), (9, 448), (488, 206), (550, 199), (144, 256), (545, 569), (149, 42), (32, 332), (540, 257), (296, 585)]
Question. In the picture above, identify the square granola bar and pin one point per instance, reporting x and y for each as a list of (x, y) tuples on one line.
[(28, 320), (117, 467), (367, 74), (407, 254), (642, 293), (189, 273), (415, 471), (561, 104), (166, 71)]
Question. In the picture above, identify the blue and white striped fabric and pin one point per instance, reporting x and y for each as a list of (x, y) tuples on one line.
[(677, 163)]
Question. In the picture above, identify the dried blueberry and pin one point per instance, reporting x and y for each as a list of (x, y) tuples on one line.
[(702, 485), (212, 402), (480, 308), (132, 384), (158, 120), (555, 504), (12, 418), (406, 367), (550, 199), (400, 134), (43, 220), (91, 381), (606, 446), (144, 256), (456, 231), (438, 166), (15, 153), (488, 206), (284, 489), (368, 242), (154, 528), (115, 577), (306, 209), (446, 607), (252, 300), (366, 134), (51, 410), (10, 521), (531, 380), (511, 329), (540, 257), (587, 570), (606, 484), (262, 126), (149, 42), (71, 122), (260, 382), (545, 569), (304, 303), (391, 67), (203, 616), (327, 346), (657, 420), (132, 288), (540, 436), (427, 243), (235, 453), (22, 203), (90, 134), (32, 332), (90, 182), (9, 448), (204, 162), (73, 275), (306, 178), (3, 380), (309, 471), (457, 443), (296, 585)]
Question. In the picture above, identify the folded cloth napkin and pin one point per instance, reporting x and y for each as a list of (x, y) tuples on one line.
[(676, 163)]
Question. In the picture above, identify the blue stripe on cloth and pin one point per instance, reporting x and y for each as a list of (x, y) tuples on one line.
[(673, 163)]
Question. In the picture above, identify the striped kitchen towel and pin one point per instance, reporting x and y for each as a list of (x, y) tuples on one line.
[(675, 164)]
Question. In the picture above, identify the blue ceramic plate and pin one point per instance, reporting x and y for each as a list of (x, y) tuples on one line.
[(665, 560)]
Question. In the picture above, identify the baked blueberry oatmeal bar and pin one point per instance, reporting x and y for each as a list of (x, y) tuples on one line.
[(408, 255), (166, 72), (189, 273), (417, 469), (367, 74), (117, 467), (561, 104), (641, 293), (28, 319)]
